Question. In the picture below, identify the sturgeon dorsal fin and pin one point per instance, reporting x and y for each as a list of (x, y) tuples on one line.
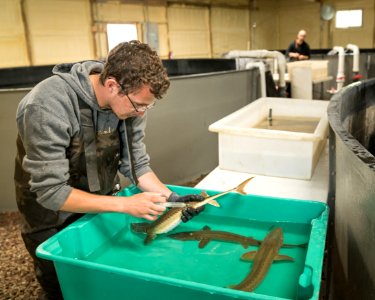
[(281, 257), (203, 242), (244, 244), (248, 256), (204, 194), (294, 246), (253, 242)]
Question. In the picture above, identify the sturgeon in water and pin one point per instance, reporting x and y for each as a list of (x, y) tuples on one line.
[(172, 218), (205, 235), (262, 260)]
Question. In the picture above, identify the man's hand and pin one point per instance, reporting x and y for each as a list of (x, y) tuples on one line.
[(189, 212), (144, 205)]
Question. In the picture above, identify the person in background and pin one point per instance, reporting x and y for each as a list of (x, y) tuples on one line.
[(298, 49), (76, 130)]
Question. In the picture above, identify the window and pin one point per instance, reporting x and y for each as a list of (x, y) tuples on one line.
[(349, 18), (118, 33)]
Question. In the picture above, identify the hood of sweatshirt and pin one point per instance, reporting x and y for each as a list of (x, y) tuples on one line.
[(77, 76)]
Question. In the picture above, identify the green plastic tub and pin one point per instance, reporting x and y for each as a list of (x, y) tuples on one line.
[(99, 257)]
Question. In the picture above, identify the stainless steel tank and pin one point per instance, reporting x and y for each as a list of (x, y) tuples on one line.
[(351, 115)]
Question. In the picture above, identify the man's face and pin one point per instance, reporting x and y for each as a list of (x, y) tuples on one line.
[(301, 37), (131, 105)]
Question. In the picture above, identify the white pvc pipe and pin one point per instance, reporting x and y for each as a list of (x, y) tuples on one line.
[(263, 54), (355, 50), (262, 71), (340, 77)]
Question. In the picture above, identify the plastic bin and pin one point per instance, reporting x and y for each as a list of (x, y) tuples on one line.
[(98, 257), (319, 68), (244, 148)]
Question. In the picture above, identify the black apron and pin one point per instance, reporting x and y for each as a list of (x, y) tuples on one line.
[(93, 165)]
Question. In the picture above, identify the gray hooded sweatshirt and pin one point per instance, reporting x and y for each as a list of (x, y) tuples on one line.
[(49, 116)]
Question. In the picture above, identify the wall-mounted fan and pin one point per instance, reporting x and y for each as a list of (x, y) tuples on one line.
[(327, 12)]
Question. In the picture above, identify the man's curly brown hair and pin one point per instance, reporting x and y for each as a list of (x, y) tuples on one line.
[(134, 64)]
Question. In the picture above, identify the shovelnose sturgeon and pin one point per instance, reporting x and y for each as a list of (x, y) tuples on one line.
[(205, 235), (172, 218), (262, 260)]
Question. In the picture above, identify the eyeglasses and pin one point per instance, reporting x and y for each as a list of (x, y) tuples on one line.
[(138, 107), (141, 108)]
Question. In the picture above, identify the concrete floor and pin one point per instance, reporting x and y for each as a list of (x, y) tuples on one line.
[(16, 268)]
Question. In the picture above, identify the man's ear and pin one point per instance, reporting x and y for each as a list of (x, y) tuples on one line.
[(111, 84)]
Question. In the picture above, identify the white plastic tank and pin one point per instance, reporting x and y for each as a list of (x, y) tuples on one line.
[(273, 136)]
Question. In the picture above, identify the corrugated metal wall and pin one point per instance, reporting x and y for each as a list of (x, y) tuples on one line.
[(58, 29), (13, 48), (229, 30), (39, 32), (363, 36), (189, 33)]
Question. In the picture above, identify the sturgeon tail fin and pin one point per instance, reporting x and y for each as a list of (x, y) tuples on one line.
[(140, 227), (241, 187)]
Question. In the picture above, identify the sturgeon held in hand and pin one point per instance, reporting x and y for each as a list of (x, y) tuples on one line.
[(172, 218), (205, 235), (262, 260)]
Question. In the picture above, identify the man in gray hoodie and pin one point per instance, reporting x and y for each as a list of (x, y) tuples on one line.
[(76, 130)]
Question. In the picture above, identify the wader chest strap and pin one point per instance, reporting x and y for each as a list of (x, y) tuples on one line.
[(129, 135), (89, 141)]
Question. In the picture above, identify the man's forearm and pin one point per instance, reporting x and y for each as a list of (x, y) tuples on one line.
[(83, 202), (142, 205)]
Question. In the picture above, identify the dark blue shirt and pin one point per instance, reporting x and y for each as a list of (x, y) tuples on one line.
[(303, 49)]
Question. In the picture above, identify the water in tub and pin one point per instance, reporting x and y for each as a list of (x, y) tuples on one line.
[(218, 264), (289, 123)]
